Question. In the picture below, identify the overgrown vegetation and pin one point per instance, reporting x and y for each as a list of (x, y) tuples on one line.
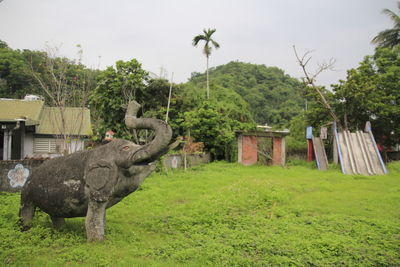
[(239, 216)]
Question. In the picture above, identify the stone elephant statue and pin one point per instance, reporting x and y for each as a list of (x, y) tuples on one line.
[(86, 183)]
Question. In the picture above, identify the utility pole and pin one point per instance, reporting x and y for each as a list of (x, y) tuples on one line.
[(169, 97)]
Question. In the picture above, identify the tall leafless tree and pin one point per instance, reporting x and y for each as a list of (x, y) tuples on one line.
[(63, 88), (309, 79)]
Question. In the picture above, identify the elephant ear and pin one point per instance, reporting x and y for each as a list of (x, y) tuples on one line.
[(100, 178)]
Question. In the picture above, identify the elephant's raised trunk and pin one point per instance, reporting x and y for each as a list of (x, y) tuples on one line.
[(163, 134)]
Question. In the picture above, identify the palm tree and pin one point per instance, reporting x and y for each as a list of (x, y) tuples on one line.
[(391, 37), (207, 48)]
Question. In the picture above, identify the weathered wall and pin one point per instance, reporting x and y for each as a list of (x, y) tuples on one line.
[(177, 160), (13, 173), (277, 155), (28, 146), (249, 150)]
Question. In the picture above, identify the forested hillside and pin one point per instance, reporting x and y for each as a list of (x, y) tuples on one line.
[(273, 96)]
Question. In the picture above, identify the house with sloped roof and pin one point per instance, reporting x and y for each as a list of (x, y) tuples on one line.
[(29, 129)]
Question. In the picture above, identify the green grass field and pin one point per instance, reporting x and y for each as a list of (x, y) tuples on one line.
[(227, 215)]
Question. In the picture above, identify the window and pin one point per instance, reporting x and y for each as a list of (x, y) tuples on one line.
[(46, 145)]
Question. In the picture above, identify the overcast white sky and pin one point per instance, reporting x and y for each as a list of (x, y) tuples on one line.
[(159, 33)]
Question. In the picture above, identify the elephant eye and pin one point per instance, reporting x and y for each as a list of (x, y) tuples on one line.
[(125, 148)]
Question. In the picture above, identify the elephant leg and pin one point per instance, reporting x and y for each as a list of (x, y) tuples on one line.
[(26, 214), (95, 221), (57, 222)]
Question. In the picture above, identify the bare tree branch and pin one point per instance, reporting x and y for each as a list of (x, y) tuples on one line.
[(64, 91), (309, 79)]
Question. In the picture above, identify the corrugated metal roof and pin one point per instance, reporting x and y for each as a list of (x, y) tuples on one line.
[(14, 109), (77, 121)]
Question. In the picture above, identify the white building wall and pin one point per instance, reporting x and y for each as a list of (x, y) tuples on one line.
[(76, 145), (28, 146), (50, 147)]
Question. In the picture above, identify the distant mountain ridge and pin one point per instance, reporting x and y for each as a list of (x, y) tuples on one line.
[(273, 96)]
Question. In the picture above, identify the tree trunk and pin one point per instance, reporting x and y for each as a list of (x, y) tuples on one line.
[(208, 86)]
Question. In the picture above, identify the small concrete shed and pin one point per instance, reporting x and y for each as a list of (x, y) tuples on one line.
[(255, 145)]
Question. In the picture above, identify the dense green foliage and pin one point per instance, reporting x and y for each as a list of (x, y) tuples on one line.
[(295, 141), (116, 86), (273, 96), (16, 79), (27, 72), (215, 123), (183, 99), (243, 216), (371, 92)]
